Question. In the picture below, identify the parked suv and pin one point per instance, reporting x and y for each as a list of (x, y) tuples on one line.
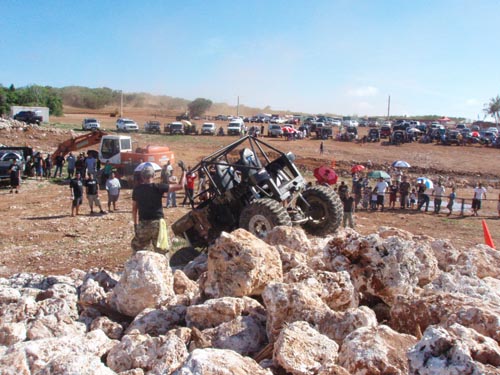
[(152, 127), (90, 124), (274, 130), (126, 125), (208, 128)]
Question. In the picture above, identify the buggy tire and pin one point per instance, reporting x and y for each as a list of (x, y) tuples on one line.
[(183, 256), (325, 210), (262, 215)]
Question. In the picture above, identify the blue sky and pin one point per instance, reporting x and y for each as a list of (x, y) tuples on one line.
[(344, 57)]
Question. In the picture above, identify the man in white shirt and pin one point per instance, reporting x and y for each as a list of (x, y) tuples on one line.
[(381, 187), (479, 192), (438, 193)]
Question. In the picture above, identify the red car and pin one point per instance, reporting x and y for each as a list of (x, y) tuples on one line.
[(385, 131)]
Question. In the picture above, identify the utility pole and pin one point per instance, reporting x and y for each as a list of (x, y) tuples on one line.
[(121, 104), (389, 107)]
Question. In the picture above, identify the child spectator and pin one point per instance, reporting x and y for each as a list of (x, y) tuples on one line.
[(413, 198), (374, 199), (451, 200)]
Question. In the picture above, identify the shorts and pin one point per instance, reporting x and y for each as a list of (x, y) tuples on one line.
[(380, 199), (146, 235), (476, 204), (392, 198), (93, 199), (113, 198), (14, 182), (77, 201), (412, 201)]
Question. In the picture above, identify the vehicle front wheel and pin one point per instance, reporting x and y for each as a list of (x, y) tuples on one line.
[(262, 215), (323, 208)]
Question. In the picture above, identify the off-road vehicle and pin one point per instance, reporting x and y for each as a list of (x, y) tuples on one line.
[(252, 185)]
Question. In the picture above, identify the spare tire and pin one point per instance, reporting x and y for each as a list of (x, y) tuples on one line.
[(262, 215), (324, 209)]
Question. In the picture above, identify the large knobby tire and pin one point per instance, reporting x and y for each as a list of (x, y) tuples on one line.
[(325, 210), (262, 215)]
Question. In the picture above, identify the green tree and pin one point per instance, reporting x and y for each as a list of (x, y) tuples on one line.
[(493, 108), (199, 106)]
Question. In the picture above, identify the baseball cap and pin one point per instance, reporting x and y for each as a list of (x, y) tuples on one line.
[(148, 172)]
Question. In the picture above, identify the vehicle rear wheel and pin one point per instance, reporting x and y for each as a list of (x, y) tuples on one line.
[(262, 215), (183, 256), (325, 210)]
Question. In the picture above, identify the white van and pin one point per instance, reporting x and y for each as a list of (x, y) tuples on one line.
[(236, 127)]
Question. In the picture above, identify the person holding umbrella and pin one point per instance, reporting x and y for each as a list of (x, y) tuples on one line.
[(381, 187)]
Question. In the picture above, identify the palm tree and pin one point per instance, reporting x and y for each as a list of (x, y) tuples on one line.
[(493, 108)]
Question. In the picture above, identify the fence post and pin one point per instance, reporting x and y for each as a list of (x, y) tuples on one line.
[(462, 208)]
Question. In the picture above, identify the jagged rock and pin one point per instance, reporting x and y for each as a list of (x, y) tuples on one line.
[(55, 325), (71, 364), (11, 333), (156, 355), (302, 350), (287, 303), (457, 350), (376, 350), (112, 329), (196, 267), (290, 258), (32, 357), (384, 268), (219, 310), (292, 237), (386, 232), (106, 280), (157, 322), (245, 335), (332, 369), (455, 282), (185, 288), (445, 254), (410, 314), (334, 288), (146, 282), (219, 361), (136, 371), (481, 260), (91, 293), (240, 264)]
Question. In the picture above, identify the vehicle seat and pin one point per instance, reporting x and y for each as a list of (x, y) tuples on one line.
[(225, 178)]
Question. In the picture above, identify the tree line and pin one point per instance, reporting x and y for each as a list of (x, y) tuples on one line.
[(34, 95)]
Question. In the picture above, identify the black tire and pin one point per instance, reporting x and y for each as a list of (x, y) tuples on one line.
[(262, 215), (325, 210), (183, 256)]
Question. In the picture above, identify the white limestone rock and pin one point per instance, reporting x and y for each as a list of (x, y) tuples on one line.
[(240, 264), (301, 350), (112, 329), (455, 351), (55, 325), (481, 261), (146, 282), (11, 333), (220, 362), (156, 322), (376, 350)]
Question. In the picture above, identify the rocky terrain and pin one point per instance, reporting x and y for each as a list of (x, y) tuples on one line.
[(385, 303)]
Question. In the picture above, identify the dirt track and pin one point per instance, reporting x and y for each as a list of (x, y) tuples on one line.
[(38, 235)]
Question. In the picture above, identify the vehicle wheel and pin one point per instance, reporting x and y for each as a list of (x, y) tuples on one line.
[(262, 215), (325, 210), (183, 256)]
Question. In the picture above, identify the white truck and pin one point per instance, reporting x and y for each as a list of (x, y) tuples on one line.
[(236, 127)]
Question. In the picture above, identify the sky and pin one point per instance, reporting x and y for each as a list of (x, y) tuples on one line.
[(316, 56)]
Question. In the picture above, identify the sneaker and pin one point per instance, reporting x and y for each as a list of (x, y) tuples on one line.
[(102, 212), (17, 192)]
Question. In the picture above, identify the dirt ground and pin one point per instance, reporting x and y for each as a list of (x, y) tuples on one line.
[(39, 235)]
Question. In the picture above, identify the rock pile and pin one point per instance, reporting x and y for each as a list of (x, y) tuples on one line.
[(386, 303)]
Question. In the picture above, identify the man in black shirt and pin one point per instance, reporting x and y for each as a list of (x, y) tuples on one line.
[(59, 164), (147, 211), (92, 190), (15, 176), (76, 187), (348, 210), (404, 191)]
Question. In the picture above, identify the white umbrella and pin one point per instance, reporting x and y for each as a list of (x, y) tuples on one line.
[(428, 183), (414, 130), (401, 164), (141, 166)]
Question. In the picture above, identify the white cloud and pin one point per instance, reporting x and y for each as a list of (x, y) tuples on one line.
[(363, 91), (472, 102)]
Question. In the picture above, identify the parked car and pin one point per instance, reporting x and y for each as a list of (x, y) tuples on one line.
[(236, 127), (274, 130), (90, 124), (6, 157), (29, 117), (174, 128), (126, 125), (373, 135), (493, 130), (451, 137), (152, 127), (208, 128), (461, 126)]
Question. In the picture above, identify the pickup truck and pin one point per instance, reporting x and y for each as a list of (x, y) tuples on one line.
[(6, 156), (152, 127), (29, 117), (236, 128)]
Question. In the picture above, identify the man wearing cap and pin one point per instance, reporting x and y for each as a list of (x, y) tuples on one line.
[(147, 210)]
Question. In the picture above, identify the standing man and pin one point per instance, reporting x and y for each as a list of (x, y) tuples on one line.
[(321, 148), (90, 164), (348, 211), (15, 176), (189, 188), (71, 163), (92, 190), (404, 191), (48, 166), (343, 190), (113, 187), (147, 211), (438, 193), (76, 187), (59, 164), (381, 188), (479, 193), (423, 197)]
